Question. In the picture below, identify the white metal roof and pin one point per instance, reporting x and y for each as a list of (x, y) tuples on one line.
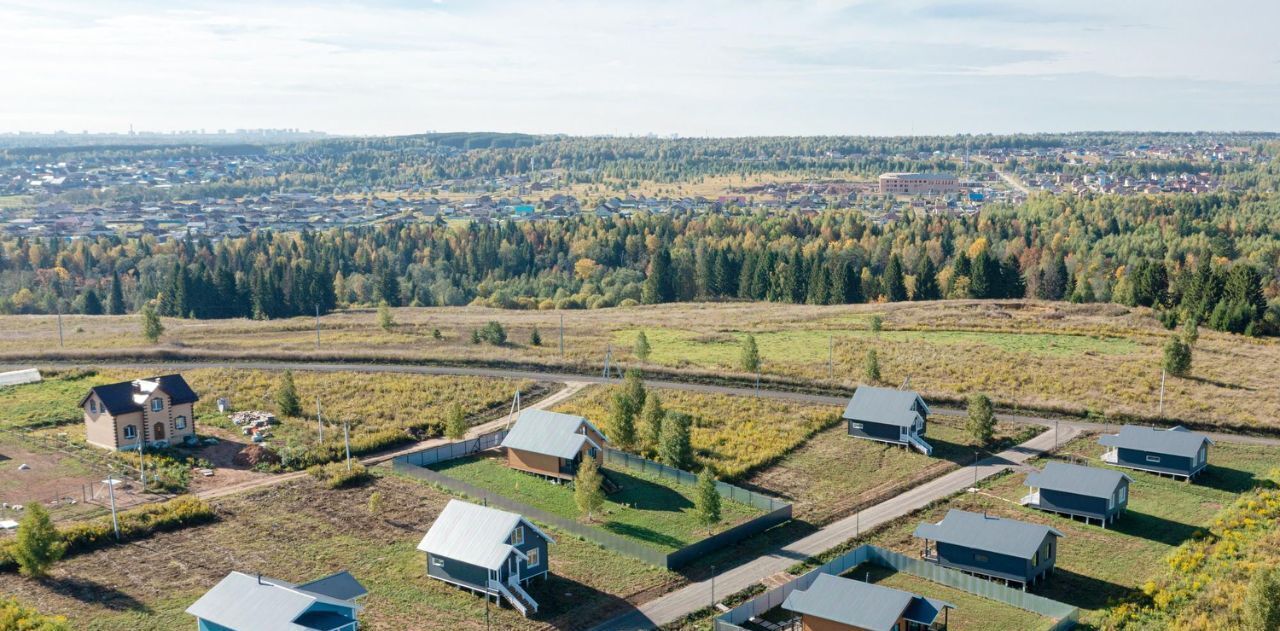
[(474, 534), (551, 433)]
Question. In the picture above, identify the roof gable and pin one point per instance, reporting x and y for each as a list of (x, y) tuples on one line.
[(474, 534), (128, 396), (985, 532), (551, 433), (859, 604)]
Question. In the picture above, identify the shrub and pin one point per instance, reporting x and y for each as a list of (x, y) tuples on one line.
[(152, 328), (982, 419), (335, 475), (1262, 601), (38, 545), (491, 333), (15, 617), (1177, 357), (455, 422), (871, 367), (535, 338), (642, 348), (750, 360), (385, 320)]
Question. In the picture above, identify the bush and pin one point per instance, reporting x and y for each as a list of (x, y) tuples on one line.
[(336, 476), (37, 546), (1177, 357), (982, 419), (136, 523), (15, 617), (491, 333)]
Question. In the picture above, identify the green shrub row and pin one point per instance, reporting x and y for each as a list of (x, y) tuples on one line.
[(335, 474)]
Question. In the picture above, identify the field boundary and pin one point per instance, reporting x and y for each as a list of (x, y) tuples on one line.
[(778, 511), (1064, 615)]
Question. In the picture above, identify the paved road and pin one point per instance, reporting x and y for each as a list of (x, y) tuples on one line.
[(698, 595), (563, 377)]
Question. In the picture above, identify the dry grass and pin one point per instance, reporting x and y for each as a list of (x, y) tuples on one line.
[(1076, 358)]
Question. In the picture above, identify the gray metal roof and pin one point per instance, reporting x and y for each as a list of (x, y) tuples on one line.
[(984, 532), (860, 604), (474, 534), (342, 586), (1073, 478), (884, 405), (1176, 441), (244, 602), (551, 433)]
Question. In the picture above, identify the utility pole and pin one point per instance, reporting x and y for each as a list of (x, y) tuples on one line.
[(713, 587), (111, 492), (608, 359), (1055, 435), (347, 439), (831, 357), (562, 336), (975, 468), (757, 381), (317, 326), (1162, 375), (59, 307), (142, 463), (319, 423)]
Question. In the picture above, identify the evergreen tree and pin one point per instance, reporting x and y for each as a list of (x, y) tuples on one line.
[(651, 421), (92, 305), (152, 328), (588, 493), (642, 349), (674, 448), (895, 288), (871, 367), (455, 422), (535, 338), (707, 499), (1177, 357), (633, 387), (38, 545), (385, 320), (287, 402), (982, 419), (750, 357), (388, 287), (927, 280), (115, 300), (659, 285)]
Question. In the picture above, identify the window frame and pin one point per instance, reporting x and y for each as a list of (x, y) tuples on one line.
[(179, 422), (130, 431), (437, 561), (856, 425), (1153, 459), (517, 535), (157, 405), (533, 558)]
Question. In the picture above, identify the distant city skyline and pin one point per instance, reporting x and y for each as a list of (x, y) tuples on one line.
[(633, 67)]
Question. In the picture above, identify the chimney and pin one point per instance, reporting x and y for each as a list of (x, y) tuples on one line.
[(259, 578)]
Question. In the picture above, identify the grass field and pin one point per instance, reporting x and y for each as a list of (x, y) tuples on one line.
[(1097, 566), (833, 473), (648, 509), (1078, 358), (732, 434), (300, 531)]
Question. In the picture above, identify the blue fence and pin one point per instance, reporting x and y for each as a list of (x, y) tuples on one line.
[(1064, 615), (415, 465)]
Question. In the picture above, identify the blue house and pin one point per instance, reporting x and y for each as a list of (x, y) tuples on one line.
[(840, 604), (244, 602), (487, 550), (898, 417), (1070, 489), (993, 547), (1176, 452)]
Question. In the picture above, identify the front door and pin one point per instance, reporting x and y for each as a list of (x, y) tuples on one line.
[(513, 570), (158, 434)]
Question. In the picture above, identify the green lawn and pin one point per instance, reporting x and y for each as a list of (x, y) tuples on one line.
[(1096, 565), (678, 347), (972, 612), (832, 473), (54, 400), (657, 512)]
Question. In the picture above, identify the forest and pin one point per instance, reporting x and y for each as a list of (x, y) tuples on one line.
[(1211, 259)]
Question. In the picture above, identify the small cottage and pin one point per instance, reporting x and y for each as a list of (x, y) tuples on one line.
[(552, 444), (898, 417), (487, 550), (993, 547), (1088, 492), (832, 603), (1176, 452), (153, 412), (245, 602)]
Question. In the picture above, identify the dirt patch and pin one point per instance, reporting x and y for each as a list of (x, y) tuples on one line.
[(69, 487), (226, 471)]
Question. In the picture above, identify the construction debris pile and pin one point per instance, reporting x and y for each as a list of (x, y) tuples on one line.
[(256, 423)]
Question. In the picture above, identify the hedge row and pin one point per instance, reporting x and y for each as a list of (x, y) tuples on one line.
[(135, 523)]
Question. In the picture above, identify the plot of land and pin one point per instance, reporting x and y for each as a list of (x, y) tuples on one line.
[(1096, 565), (655, 511), (833, 473), (299, 531), (732, 434)]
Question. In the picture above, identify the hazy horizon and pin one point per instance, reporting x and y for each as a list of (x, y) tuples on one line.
[(631, 68)]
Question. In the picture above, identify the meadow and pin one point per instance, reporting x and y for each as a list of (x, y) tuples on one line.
[(732, 434), (649, 509), (1101, 359), (1098, 567), (300, 531)]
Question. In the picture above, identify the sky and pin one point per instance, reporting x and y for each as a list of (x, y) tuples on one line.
[(692, 67)]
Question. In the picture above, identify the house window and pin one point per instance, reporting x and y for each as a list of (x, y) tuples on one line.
[(130, 432), (180, 422), (981, 558), (93, 406), (437, 561), (157, 405), (1151, 458), (518, 537), (534, 559), (855, 426), (1035, 559), (1124, 494)]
